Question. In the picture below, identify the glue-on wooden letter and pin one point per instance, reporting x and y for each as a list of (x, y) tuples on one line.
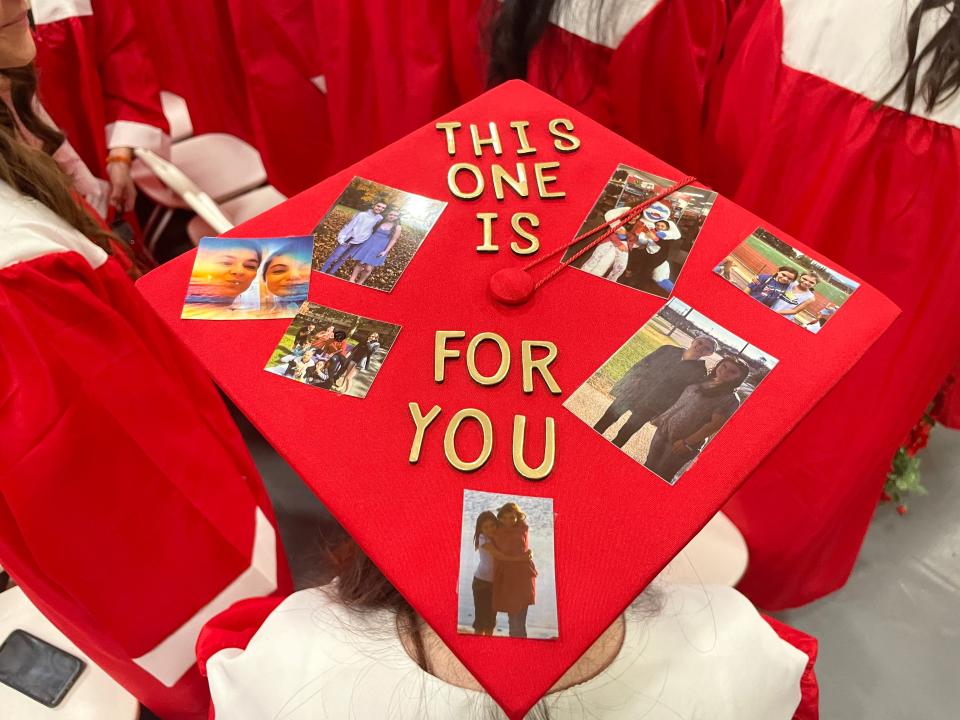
[(533, 240), (519, 184), (448, 128), (441, 353), (549, 449), (543, 179), (493, 141), (520, 128), (422, 422), (541, 365), (450, 439), (572, 141), (454, 186), (501, 372), (487, 219)]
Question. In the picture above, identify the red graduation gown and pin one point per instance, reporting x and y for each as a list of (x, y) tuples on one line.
[(96, 79), (795, 138), (130, 510)]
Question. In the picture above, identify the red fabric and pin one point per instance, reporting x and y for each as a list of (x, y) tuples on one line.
[(817, 160), (280, 56), (809, 708), (124, 507), (651, 88), (515, 582), (195, 54), (234, 627), (645, 520), (94, 71), (387, 69)]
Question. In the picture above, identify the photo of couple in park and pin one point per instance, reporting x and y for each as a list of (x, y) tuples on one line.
[(372, 232), (248, 278), (648, 252), (507, 582), (670, 388), (334, 350), (787, 281)]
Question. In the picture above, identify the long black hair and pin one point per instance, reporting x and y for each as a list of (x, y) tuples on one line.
[(940, 80), (515, 28), (727, 387)]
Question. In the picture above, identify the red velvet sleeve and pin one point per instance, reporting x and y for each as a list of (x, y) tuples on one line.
[(131, 91), (128, 502), (809, 707), (233, 628)]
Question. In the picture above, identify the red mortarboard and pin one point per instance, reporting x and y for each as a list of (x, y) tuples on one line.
[(617, 525)]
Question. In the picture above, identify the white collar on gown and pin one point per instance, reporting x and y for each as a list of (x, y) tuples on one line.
[(707, 653)]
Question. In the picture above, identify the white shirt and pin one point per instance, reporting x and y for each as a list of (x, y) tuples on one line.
[(706, 654), (792, 298), (485, 563), (360, 228)]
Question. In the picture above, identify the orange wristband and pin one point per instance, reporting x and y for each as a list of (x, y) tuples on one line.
[(119, 159)]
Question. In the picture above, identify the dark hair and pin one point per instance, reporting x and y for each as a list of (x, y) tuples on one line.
[(516, 27), (790, 268), (941, 55), (339, 335), (288, 249), (511, 507), (483, 517), (727, 387), (32, 171)]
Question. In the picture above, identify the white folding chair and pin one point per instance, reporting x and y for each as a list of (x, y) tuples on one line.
[(238, 210), (220, 166), (177, 114)]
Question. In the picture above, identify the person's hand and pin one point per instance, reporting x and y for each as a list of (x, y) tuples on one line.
[(382, 254), (680, 447), (123, 193)]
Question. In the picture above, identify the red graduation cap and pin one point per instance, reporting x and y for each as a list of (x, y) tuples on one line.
[(616, 524)]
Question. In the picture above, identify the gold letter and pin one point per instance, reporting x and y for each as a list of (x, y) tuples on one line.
[(422, 422), (493, 140), (541, 366), (487, 219), (450, 445), (440, 352), (455, 188), (530, 237), (560, 135), (520, 127), (448, 128), (501, 372), (549, 449), (520, 185), (542, 179)]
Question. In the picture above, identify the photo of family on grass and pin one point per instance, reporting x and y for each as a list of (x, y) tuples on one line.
[(507, 583), (670, 388), (334, 350), (372, 232), (248, 278), (785, 280), (648, 253)]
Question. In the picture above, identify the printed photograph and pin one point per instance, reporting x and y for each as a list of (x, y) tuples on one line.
[(333, 350), (649, 253), (507, 584), (372, 232), (670, 389), (785, 280), (248, 278)]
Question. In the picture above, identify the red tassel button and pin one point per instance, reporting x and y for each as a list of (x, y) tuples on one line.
[(512, 286)]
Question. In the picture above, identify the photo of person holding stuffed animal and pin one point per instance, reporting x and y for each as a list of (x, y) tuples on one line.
[(648, 252)]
